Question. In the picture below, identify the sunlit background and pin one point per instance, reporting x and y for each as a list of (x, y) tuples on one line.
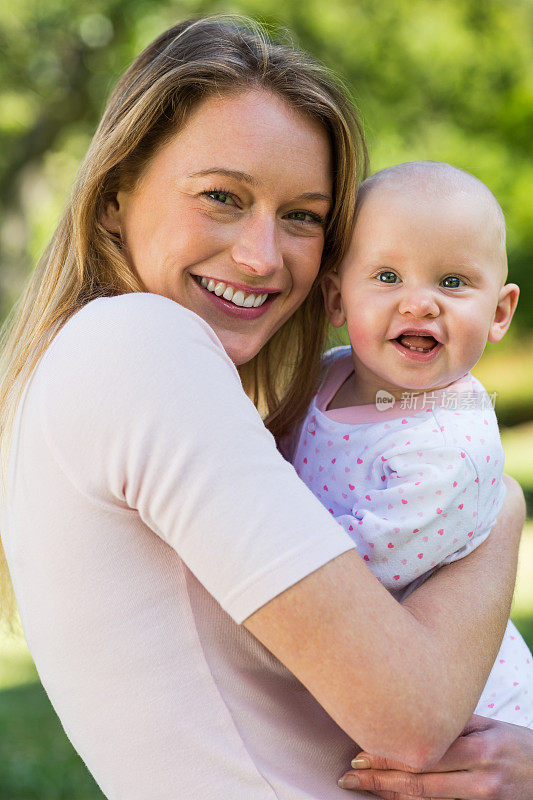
[(450, 80)]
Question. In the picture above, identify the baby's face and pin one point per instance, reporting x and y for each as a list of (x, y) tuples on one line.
[(420, 290)]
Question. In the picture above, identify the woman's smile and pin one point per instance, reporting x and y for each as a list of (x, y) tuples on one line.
[(236, 297)]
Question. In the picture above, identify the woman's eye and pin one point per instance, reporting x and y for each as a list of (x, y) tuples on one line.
[(452, 282), (305, 216), (220, 196), (387, 277)]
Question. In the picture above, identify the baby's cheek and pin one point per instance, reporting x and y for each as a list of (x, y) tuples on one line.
[(473, 338), (361, 332)]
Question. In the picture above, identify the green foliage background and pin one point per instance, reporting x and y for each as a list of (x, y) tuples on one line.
[(450, 80)]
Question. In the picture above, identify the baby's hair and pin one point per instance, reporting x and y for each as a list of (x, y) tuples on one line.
[(437, 179)]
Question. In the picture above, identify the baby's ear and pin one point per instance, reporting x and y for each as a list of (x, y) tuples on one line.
[(331, 289), (504, 312)]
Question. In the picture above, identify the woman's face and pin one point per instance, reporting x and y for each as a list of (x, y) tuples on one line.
[(228, 218)]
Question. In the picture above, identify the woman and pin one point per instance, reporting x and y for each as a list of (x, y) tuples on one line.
[(156, 540)]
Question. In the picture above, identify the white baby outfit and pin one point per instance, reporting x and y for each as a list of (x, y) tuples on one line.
[(416, 486)]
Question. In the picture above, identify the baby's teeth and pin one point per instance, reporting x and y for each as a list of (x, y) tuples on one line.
[(249, 302), (219, 288), (228, 293), (204, 282), (211, 285), (238, 298), (258, 300)]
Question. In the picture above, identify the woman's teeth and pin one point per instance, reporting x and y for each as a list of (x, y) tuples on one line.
[(236, 296)]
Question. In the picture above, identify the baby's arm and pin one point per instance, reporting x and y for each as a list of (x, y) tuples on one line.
[(425, 515)]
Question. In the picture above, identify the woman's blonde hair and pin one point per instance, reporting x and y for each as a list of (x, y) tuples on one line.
[(83, 260)]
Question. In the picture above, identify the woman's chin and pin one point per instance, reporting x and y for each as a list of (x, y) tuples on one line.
[(239, 349)]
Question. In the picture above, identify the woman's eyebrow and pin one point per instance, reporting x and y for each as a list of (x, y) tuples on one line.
[(314, 196), (245, 177), (228, 173)]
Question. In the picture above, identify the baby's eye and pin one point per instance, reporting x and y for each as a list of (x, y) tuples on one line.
[(452, 282), (387, 276)]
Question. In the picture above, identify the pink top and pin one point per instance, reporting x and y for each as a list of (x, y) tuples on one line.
[(148, 514), (415, 488)]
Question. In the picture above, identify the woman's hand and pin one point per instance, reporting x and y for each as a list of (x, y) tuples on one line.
[(490, 760)]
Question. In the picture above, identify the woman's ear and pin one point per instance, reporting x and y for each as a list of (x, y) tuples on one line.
[(331, 289), (504, 312), (110, 214)]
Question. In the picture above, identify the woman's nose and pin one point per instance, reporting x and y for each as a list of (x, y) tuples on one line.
[(419, 302), (257, 249)]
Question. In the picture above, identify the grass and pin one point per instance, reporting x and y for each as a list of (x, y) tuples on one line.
[(37, 761)]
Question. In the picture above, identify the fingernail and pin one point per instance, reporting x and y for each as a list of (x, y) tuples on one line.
[(361, 762), (349, 782)]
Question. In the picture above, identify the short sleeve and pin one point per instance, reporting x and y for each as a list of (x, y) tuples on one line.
[(144, 412)]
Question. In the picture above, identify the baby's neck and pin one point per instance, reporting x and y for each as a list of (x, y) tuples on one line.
[(355, 392)]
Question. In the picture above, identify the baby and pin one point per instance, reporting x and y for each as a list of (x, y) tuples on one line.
[(401, 443)]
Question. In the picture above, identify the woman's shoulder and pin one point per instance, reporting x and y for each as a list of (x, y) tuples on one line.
[(113, 332), (136, 314), (128, 345)]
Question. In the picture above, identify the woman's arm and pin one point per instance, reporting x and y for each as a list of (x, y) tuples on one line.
[(401, 680), (491, 760)]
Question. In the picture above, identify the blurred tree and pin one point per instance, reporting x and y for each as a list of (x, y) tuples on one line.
[(448, 80)]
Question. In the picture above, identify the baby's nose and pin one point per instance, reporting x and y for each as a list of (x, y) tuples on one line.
[(419, 302)]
